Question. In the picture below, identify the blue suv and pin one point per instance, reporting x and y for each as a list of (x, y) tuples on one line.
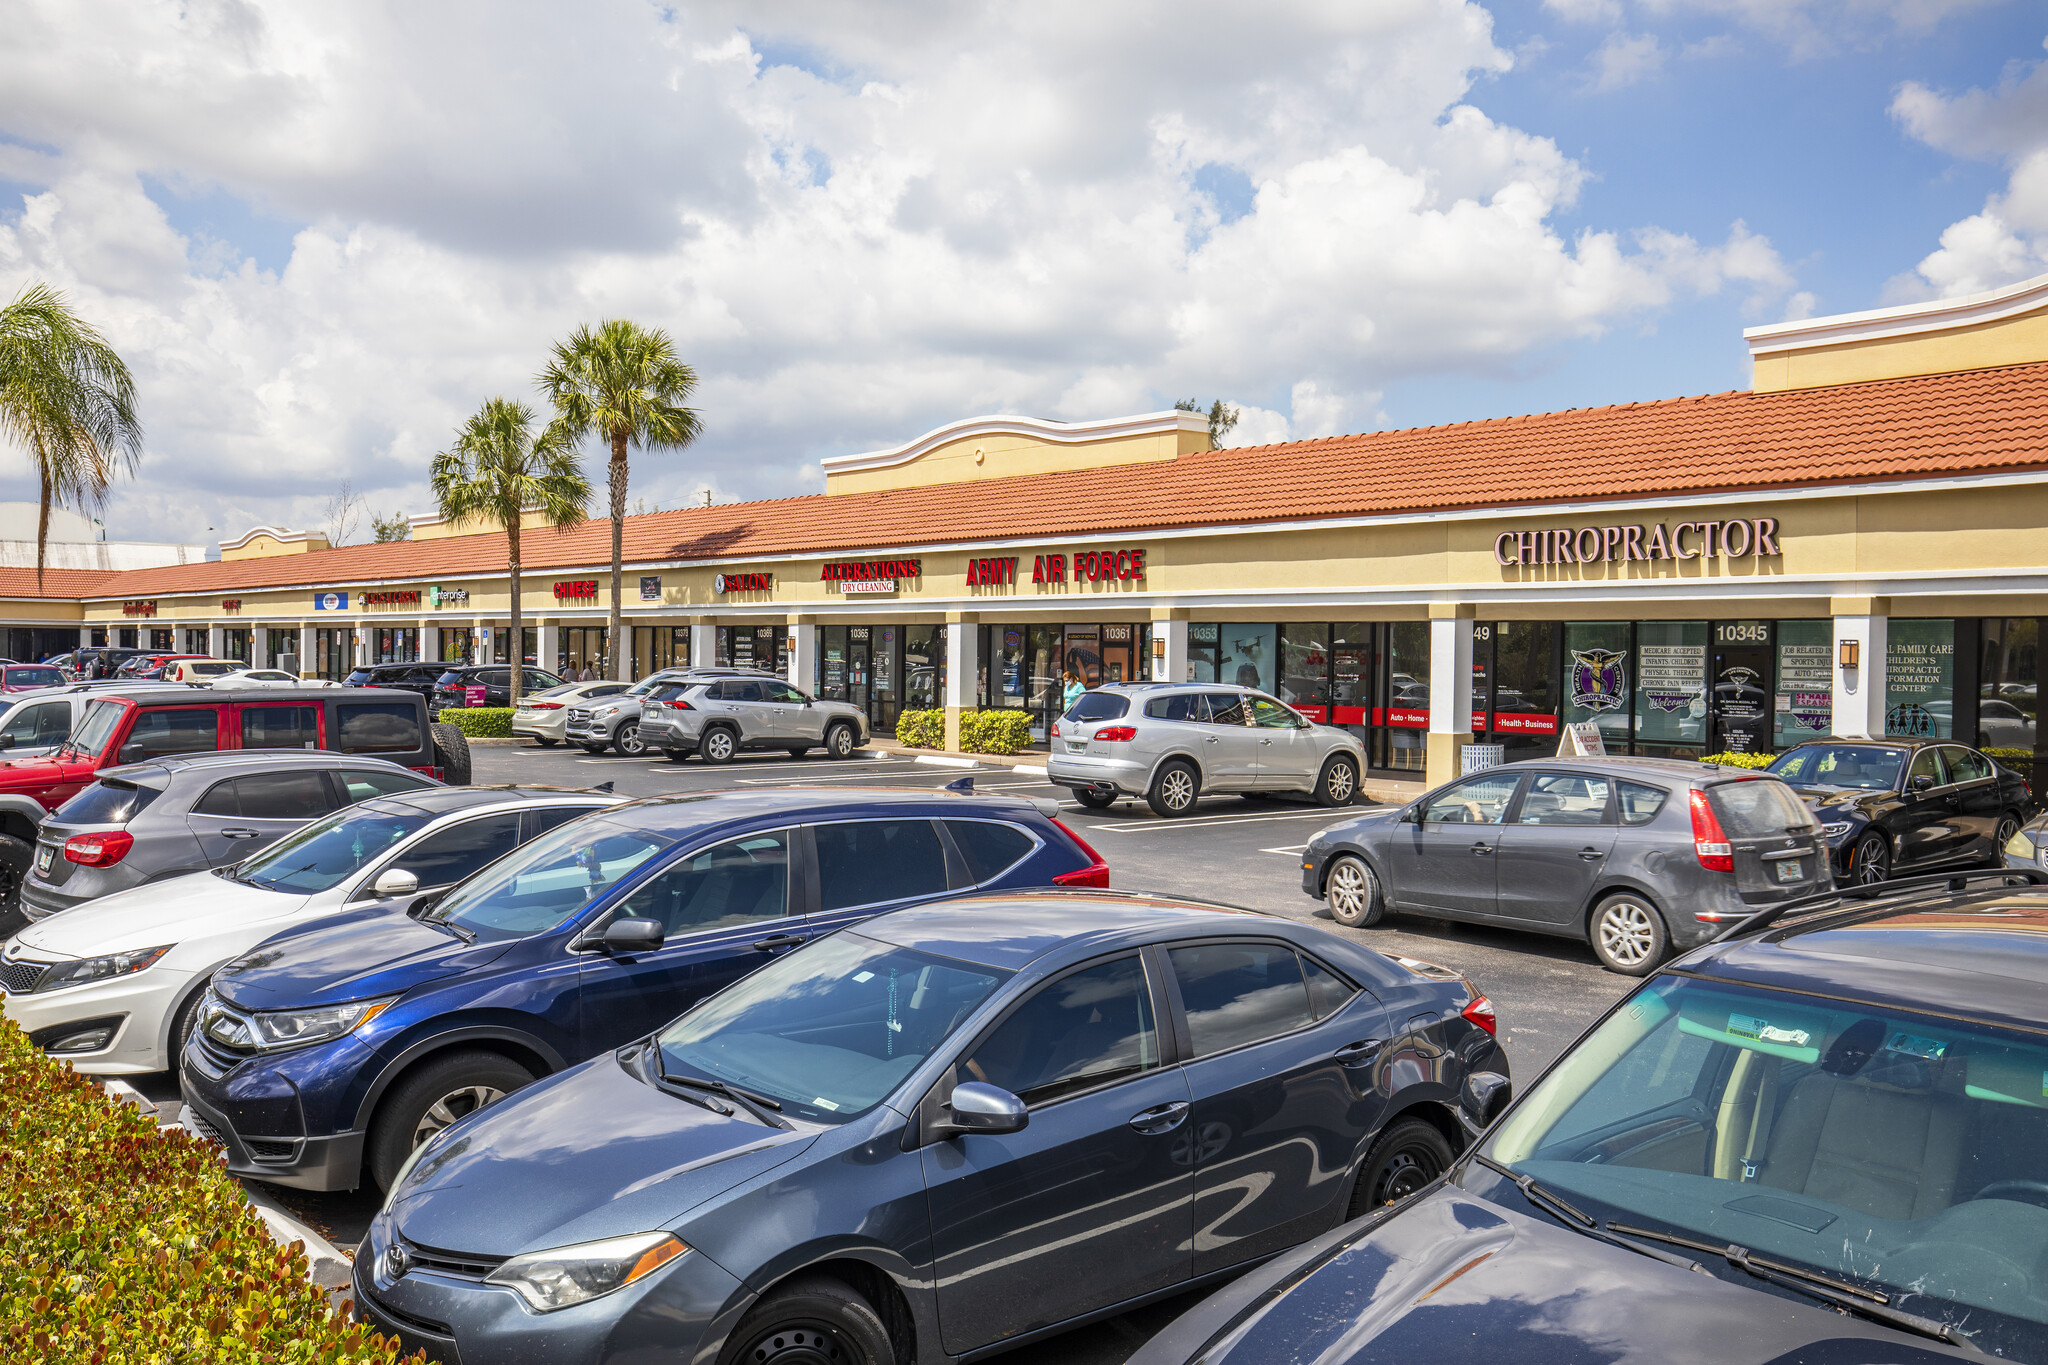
[(351, 1042)]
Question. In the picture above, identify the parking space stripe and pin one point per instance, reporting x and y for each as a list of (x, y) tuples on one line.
[(1212, 821)]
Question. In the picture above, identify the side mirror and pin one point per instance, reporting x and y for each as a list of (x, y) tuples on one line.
[(978, 1107), (1485, 1094), (6, 741), (131, 752), (1413, 815), (396, 881), (1923, 783), (624, 937)]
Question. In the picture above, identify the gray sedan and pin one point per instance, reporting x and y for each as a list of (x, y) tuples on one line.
[(1636, 855)]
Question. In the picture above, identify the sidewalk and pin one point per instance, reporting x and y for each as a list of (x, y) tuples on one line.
[(1380, 790)]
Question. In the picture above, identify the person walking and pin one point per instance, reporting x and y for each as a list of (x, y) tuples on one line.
[(1071, 693)]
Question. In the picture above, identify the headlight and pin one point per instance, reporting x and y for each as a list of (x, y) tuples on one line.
[(101, 968), (548, 1280), (2022, 846), (296, 1028), (1836, 829)]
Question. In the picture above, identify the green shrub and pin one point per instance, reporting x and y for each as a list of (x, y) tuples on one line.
[(125, 1243), (479, 722), (2022, 759), (921, 729), (995, 732), (1741, 760)]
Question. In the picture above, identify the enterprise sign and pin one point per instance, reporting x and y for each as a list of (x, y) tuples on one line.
[(1754, 538)]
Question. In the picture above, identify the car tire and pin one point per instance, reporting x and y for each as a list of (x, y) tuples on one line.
[(1338, 785), (451, 753), (627, 740), (2008, 825), (182, 1024), (1628, 934), (1402, 1160), (719, 746), (799, 750), (1355, 898), (814, 1318), (1175, 789), (1096, 800), (1873, 860), (545, 742), (839, 741), (16, 857), (447, 1088)]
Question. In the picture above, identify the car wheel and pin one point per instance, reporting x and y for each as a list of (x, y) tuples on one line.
[(1403, 1160), (1873, 860), (628, 742), (815, 1320), (451, 753), (1628, 935), (1338, 786), (2008, 825), (839, 741), (182, 1025), (799, 750), (1354, 893), (444, 1090), (1175, 790), (719, 746), (1096, 800), (545, 742), (16, 857)]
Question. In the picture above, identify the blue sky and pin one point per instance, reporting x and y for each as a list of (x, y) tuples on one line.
[(323, 234)]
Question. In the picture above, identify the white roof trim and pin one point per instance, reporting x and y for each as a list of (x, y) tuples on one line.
[(1937, 316), (1059, 433)]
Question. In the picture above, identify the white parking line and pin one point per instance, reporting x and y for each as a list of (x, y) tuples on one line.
[(1292, 850), (1209, 822)]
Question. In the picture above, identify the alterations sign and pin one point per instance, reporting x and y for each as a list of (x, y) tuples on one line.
[(864, 577)]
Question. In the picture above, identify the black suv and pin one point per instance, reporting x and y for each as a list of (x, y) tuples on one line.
[(412, 677), (451, 687)]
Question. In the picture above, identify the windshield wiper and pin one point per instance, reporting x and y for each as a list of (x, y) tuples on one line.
[(1579, 1221), (757, 1105), (461, 931), (1843, 1294)]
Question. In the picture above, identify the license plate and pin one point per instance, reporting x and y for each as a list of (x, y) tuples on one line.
[(1792, 870), (44, 857), (1075, 746)]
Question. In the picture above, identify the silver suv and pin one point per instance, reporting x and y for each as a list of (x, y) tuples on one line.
[(1171, 742), (600, 723), (718, 712)]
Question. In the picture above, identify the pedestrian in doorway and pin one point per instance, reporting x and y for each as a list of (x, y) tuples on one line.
[(585, 675), (1073, 689)]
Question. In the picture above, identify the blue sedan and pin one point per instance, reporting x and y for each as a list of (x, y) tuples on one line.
[(943, 1130)]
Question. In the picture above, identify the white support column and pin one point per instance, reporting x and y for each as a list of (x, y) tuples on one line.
[(259, 646), (216, 641), (482, 635), (426, 647), (1450, 689), (1859, 691), (85, 637), (963, 664), (703, 642), (1169, 661), (803, 657), (308, 642)]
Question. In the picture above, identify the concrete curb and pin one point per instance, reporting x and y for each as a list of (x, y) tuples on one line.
[(946, 761)]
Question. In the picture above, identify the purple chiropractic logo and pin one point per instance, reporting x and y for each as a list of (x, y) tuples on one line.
[(1599, 679)]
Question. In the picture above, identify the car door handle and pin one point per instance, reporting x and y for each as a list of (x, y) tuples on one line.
[(1265, 741), (1358, 1053), (1160, 1118), (1212, 739), (241, 834), (774, 941), (1591, 855), (1482, 848)]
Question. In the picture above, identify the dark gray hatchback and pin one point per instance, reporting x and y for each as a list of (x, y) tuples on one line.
[(1639, 856)]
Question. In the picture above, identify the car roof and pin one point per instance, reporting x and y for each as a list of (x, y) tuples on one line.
[(442, 800), (686, 815), (252, 758), (1011, 929), (1980, 953), (153, 693), (1629, 766), (1886, 742)]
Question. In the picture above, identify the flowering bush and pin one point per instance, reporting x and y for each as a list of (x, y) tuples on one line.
[(1742, 760), (921, 729)]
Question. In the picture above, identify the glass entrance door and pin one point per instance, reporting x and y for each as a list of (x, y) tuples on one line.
[(1740, 699), (1120, 653), (860, 658)]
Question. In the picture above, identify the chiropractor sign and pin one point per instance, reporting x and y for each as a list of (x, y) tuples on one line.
[(1738, 538)]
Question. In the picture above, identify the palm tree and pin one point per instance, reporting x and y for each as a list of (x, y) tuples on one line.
[(497, 470), (623, 382), (67, 399)]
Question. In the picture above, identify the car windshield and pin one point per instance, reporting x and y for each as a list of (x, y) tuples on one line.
[(329, 851), (1870, 766), (1907, 1153), (829, 1031), (97, 727), (540, 886), (646, 685), (33, 677)]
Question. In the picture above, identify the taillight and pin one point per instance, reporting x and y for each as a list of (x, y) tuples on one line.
[(1716, 854), (98, 850), (1117, 734), (1055, 729), (1480, 1012), (1095, 874), (543, 706), (679, 705)]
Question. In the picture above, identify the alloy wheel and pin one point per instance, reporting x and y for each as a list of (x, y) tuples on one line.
[(2007, 827), (1341, 783), (629, 741), (718, 746), (456, 1104), (840, 743), (1177, 788), (1626, 933), (1873, 861), (1350, 894)]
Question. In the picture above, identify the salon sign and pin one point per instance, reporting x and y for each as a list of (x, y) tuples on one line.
[(1738, 538)]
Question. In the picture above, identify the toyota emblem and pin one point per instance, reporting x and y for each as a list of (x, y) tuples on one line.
[(396, 1262)]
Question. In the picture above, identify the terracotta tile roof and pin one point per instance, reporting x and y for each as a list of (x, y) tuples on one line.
[(65, 584), (1975, 422)]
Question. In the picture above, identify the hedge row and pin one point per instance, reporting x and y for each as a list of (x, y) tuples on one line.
[(127, 1243), (1733, 760), (981, 732), (479, 722)]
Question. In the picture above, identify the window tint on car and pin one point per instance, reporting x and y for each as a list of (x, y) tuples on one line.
[(1327, 991), (107, 803), (1760, 806), (1098, 706), (1226, 708), (863, 862), (1476, 801), (378, 727), (990, 847), (1926, 763), (1268, 714), (34, 677), (1086, 1029), (548, 880), (280, 727), (448, 855), (1869, 767), (1966, 765), (540, 819), (45, 722), (188, 730), (299, 795), (783, 692), (1564, 799), (743, 689), (1179, 706), (1238, 993), (1640, 803), (363, 783), (743, 881)]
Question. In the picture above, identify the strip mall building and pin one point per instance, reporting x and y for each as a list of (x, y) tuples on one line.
[(1853, 546)]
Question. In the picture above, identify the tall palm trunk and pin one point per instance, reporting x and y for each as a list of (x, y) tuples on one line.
[(614, 625), (518, 627)]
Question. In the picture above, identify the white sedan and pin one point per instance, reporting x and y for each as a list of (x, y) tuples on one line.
[(541, 715), (112, 985), (266, 677)]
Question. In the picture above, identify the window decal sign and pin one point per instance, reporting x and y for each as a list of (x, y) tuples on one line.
[(1599, 679)]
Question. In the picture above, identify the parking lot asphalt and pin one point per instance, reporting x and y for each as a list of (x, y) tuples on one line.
[(1245, 853)]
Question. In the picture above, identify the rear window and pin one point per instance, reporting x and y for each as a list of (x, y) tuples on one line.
[(1178, 706), (359, 677), (1640, 803), (378, 727), (34, 677), (1759, 806), (990, 847), (107, 803), (452, 678), (1098, 706)]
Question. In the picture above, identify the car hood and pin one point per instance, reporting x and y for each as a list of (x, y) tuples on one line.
[(1453, 1278), (1840, 798), (21, 774), (357, 954), (159, 913), (533, 1171), (1377, 818)]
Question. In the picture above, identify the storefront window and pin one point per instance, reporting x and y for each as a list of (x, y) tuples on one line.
[(1671, 689), (1599, 678), (457, 644), (2008, 697), (1042, 676), (1202, 650), (1305, 668), (1248, 656), (924, 662), (1524, 696), (1919, 679), (501, 646), (1805, 698), (659, 647), (1402, 744), (1740, 704), (1120, 652), (395, 644), (1351, 675), (578, 648), (832, 663)]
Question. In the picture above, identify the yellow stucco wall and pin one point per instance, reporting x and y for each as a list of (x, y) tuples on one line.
[(1006, 455), (265, 546), (2010, 341)]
